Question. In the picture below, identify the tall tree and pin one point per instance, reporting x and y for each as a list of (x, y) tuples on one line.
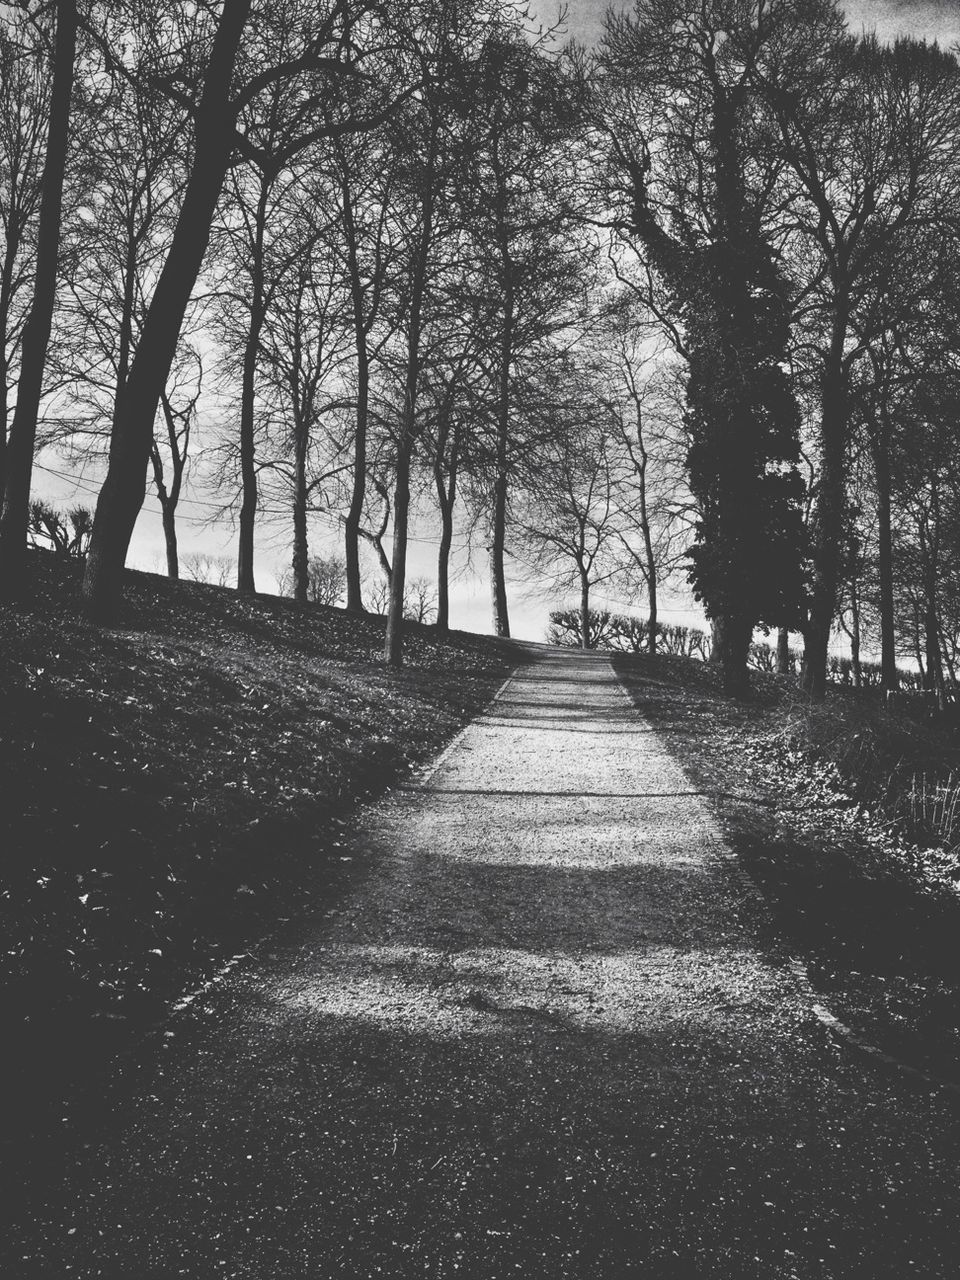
[(18, 467), (24, 110), (869, 134), (230, 83), (528, 229), (690, 178)]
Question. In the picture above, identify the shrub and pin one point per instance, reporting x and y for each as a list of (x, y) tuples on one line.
[(625, 633), (66, 534)]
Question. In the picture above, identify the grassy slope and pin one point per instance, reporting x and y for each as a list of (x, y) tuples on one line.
[(175, 784), (876, 918)]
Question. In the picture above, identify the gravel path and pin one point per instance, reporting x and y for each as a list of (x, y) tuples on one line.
[(536, 1039)]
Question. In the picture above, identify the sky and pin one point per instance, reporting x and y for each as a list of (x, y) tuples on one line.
[(931, 19), (470, 605)]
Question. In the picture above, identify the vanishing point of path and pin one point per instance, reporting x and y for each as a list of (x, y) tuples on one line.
[(537, 1039)]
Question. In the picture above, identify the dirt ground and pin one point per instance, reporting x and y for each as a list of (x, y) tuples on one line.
[(536, 1037)]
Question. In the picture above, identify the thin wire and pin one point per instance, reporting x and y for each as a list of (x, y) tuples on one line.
[(332, 522)]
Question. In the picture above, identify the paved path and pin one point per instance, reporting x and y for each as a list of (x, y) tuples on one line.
[(535, 1040)]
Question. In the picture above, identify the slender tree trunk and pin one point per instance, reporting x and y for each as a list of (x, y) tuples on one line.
[(446, 485), (168, 499), (917, 649), (393, 645), (351, 530), (889, 676), (584, 610), (652, 586), (931, 638), (123, 490), (249, 495), (351, 525), (934, 682), (855, 638), (498, 581), (12, 247), (783, 652), (301, 551), (4, 413), (829, 522), (393, 641), (948, 659), (18, 459), (170, 542), (443, 572), (125, 329)]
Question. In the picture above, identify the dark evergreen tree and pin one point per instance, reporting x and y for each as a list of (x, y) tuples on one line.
[(743, 425)]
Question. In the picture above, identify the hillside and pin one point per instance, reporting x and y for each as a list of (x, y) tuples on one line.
[(177, 783)]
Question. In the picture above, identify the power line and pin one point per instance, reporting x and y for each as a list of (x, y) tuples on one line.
[(333, 522)]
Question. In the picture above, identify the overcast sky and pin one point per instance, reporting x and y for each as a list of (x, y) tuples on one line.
[(931, 19)]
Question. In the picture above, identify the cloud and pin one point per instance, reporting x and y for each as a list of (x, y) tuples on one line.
[(924, 19)]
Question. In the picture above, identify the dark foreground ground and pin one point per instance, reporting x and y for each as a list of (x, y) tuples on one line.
[(544, 1032), (177, 785)]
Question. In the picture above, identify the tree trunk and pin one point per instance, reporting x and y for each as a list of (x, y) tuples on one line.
[(123, 490), (393, 642), (445, 480), (917, 649), (168, 499), (6, 300), (933, 682), (731, 648), (301, 552), (889, 677), (393, 645), (652, 586), (443, 573), (351, 525), (18, 459), (828, 530), (934, 676), (855, 638), (250, 497), (783, 652), (170, 542), (498, 581), (351, 529), (584, 611)]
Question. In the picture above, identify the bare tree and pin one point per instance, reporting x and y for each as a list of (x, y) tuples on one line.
[(870, 136), (24, 109), (529, 233), (201, 566), (305, 341), (570, 529), (178, 418), (18, 467), (326, 54), (420, 604)]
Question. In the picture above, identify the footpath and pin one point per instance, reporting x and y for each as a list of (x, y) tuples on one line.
[(534, 1039)]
